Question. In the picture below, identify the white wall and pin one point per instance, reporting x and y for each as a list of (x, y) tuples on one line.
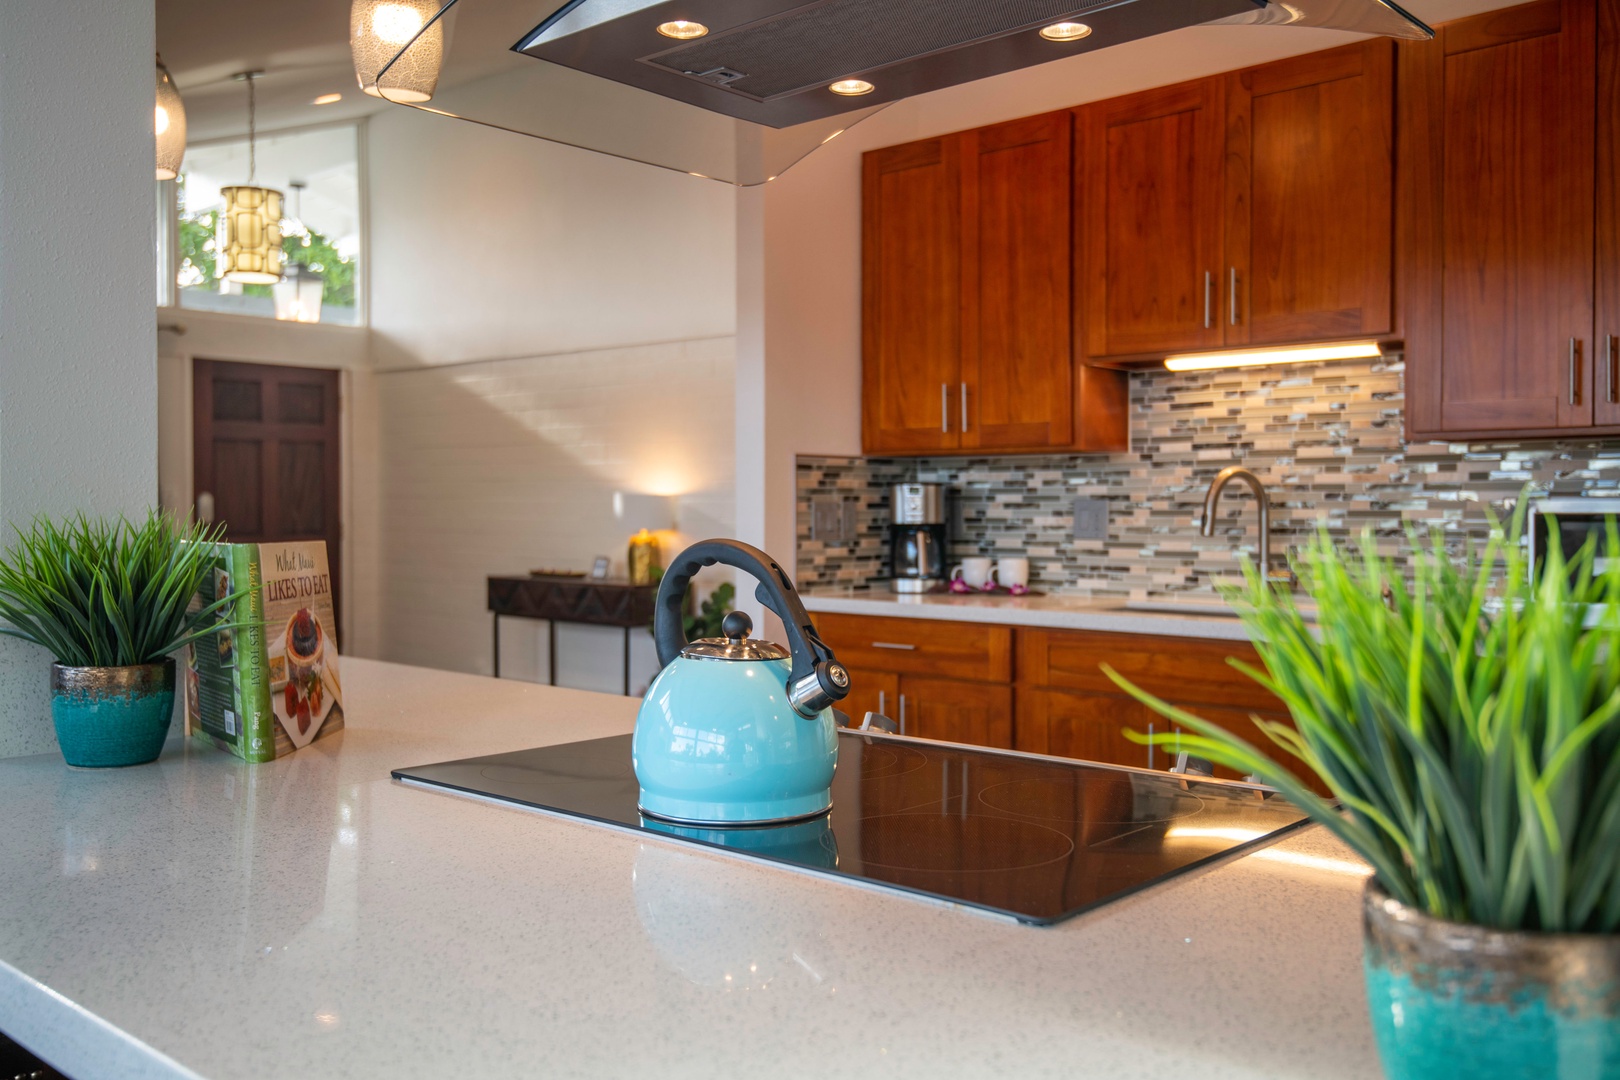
[(550, 326), (799, 354), (78, 381), (184, 335)]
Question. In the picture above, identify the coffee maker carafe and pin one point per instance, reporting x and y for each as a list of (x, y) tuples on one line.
[(916, 537)]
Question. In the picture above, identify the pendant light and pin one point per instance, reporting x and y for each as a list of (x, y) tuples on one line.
[(169, 122), (248, 240), (298, 294), (379, 29)]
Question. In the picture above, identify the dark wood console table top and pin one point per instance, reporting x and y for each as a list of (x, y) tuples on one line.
[(591, 601)]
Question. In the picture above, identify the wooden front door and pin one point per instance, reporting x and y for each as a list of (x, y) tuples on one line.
[(266, 454)]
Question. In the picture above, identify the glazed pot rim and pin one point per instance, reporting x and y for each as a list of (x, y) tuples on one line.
[(1378, 904), (167, 661)]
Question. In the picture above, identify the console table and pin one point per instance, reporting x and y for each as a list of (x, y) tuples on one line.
[(593, 601)]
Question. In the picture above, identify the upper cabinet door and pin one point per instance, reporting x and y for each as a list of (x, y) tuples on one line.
[(911, 284), (1606, 341), (1497, 204), (1149, 220), (1016, 389), (1309, 197)]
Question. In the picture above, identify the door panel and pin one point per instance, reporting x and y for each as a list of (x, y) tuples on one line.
[(1499, 161), (911, 280), (953, 711), (1090, 727), (871, 691), (267, 447), (1606, 340), (1149, 220), (1016, 362), (1310, 197)]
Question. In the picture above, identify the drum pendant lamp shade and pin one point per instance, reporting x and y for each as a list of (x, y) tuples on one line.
[(169, 123), (249, 235), (379, 29), (247, 240)]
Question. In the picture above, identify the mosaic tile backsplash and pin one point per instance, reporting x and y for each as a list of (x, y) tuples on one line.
[(1325, 438)]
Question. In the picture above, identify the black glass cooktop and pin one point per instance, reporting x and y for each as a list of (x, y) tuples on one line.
[(1039, 839)]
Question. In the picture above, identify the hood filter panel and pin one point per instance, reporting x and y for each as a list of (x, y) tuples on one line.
[(814, 45)]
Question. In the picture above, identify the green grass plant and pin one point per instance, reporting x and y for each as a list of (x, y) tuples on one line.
[(106, 592), (1465, 717)]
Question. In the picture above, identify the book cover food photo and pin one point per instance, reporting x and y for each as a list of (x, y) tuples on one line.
[(267, 684)]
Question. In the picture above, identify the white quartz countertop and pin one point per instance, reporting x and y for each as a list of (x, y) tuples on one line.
[(1107, 614), (311, 917)]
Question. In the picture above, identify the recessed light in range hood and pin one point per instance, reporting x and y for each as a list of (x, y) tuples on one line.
[(761, 83)]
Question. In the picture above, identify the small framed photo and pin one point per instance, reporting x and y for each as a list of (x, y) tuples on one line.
[(599, 570)]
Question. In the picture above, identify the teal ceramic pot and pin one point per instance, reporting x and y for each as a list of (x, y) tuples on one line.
[(112, 716), (1451, 1001)]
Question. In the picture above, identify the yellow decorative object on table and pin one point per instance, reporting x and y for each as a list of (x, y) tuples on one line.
[(645, 558)]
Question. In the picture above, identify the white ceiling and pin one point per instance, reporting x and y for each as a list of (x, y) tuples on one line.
[(303, 48)]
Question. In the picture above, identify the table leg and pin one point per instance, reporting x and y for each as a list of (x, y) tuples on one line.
[(627, 661), (551, 651), (497, 620)]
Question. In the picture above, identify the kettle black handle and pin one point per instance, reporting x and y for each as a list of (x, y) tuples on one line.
[(817, 679)]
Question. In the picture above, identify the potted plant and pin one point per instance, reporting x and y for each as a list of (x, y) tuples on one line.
[(1467, 721), (110, 600)]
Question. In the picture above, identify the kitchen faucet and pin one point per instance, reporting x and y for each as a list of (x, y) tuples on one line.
[(1212, 499)]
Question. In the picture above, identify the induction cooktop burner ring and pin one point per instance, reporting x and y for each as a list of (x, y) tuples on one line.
[(1091, 816), (771, 823), (1025, 831), (885, 761)]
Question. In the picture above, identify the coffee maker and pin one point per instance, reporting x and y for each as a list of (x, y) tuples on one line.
[(916, 537)]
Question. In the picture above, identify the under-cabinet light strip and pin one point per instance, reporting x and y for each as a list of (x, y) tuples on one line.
[(1295, 355)]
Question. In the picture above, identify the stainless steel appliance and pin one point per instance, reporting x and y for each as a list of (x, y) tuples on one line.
[(916, 537), (1035, 838), (1567, 524)]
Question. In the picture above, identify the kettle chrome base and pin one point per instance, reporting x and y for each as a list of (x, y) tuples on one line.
[(731, 823)]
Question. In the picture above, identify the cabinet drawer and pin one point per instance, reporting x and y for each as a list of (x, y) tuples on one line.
[(919, 646), (1178, 669)]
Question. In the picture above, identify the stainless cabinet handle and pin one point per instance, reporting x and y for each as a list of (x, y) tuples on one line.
[(1609, 372), (1209, 284), (1231, 295), (902, 714), (883, 700), (944, 410), (964, 408), (1574, 371), (893, 645)]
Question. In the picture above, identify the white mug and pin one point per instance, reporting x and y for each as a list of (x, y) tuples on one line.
[(974, 572), (1012, 573)]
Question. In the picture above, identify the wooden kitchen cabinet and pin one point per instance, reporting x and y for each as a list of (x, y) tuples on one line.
[(1148, 185), (911, 282), (967, 298), (1498, 203), (952, 710), (1310, 216), (1087, 726), (1606, 340), (1253, 208)]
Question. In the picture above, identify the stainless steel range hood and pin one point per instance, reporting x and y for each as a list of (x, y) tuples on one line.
[(739, 90)]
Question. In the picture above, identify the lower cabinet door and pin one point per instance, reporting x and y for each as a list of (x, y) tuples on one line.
[(1090, 727), (955, 711), (871, 691)]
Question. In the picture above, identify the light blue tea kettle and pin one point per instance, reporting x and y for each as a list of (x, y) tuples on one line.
[(733, 730)]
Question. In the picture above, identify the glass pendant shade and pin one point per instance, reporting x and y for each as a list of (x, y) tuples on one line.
[(248, 240), (170, 124), (298, 294), (379, 29)]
